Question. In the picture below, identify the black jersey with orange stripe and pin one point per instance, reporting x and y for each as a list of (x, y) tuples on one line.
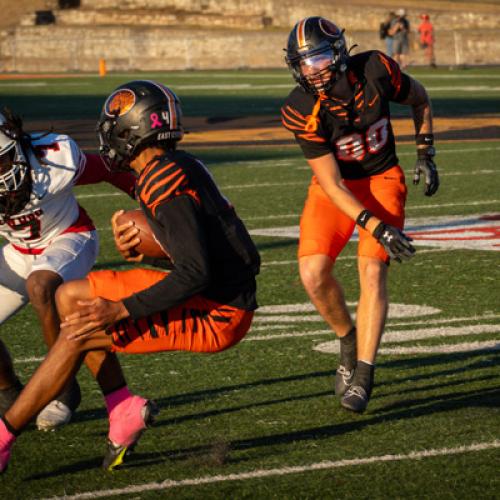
[(211, 250), (353, 121)]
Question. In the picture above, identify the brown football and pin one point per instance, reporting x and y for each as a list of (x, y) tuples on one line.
[(148, 246)]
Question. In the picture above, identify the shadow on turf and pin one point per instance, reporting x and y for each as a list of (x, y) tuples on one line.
[(193, 397), (442, 403), (431, 360), (437, 385), (199, 396), (405, 409), (494, 358)]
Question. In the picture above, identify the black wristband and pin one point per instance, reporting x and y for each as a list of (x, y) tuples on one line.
[(363, 217), (377, 232), (424, 139)]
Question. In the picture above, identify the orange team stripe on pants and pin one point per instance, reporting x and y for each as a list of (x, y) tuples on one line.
[(325, 229), (197, 325)]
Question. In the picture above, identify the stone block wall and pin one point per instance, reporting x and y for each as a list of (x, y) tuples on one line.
[(253, 7), (149, 18), (162, 49), (150, 35)]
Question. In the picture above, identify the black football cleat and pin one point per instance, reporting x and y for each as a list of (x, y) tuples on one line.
[(355, 399), (343, 380), (116, 453)]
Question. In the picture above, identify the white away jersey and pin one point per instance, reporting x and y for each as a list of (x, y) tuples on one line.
[(52, 207)]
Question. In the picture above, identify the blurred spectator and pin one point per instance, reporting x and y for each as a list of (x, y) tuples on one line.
[(399, 30), (426, 31), (384, 32)]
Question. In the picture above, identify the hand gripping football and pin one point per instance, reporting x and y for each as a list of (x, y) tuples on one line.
[(148, 246)]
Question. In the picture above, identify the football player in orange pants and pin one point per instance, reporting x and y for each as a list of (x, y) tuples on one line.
[(340, 116), (204, 304)]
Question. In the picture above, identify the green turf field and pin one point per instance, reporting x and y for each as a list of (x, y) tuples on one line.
[(234, 93), (260, 420)]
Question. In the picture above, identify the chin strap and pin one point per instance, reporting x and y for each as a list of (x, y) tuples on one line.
[(312, 119)]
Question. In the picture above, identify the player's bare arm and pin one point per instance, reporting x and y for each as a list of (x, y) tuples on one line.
[(422, 117), (419, 100)]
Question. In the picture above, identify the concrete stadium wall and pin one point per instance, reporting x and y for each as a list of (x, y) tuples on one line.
[(214, 6), (256, 14), (130, 49), (285, 13), (203, 34)]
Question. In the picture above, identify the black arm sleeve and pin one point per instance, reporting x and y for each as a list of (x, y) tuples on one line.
[(183, 234)]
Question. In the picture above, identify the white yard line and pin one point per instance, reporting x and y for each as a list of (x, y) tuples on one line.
[(390, 323), (17, 83), (464, 88), (282, 471), (332, 347), (101, 195), (489, 345), (302, 183), (390, 335), (408, 207), (458, 77)]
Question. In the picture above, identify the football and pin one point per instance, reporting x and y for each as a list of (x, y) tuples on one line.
[(148, 246)]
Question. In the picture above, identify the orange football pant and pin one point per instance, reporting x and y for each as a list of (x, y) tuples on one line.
[(325, 229), (198, 325)]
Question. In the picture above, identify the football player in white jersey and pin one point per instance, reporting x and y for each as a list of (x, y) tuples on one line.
[(50, 239)]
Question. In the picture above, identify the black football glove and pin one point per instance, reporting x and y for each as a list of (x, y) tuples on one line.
[(425, 165), (394, 241)]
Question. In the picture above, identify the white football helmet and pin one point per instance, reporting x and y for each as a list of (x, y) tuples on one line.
[(15, 180)]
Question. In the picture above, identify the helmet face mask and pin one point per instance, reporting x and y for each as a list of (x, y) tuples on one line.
[(135, 115), (318, 70), (15, 177), (316, 54)]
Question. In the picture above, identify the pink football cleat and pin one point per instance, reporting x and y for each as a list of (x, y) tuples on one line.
[(127, 422)]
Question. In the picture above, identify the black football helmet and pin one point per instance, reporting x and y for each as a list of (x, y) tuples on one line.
[(316, 54), (137, 114), (15, 172)]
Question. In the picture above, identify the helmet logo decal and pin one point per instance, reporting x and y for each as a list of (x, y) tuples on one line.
[(172, 104), (328, 28), (301, 34), (155, 120), (120, 102)]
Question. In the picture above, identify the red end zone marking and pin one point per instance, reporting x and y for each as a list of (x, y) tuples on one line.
[(490, 217), (490, 233)]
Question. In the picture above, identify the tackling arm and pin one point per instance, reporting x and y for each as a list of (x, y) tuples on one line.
[(95, 171)]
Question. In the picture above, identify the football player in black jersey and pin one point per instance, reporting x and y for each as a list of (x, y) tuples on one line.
[(204, 304), (339, 113)]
